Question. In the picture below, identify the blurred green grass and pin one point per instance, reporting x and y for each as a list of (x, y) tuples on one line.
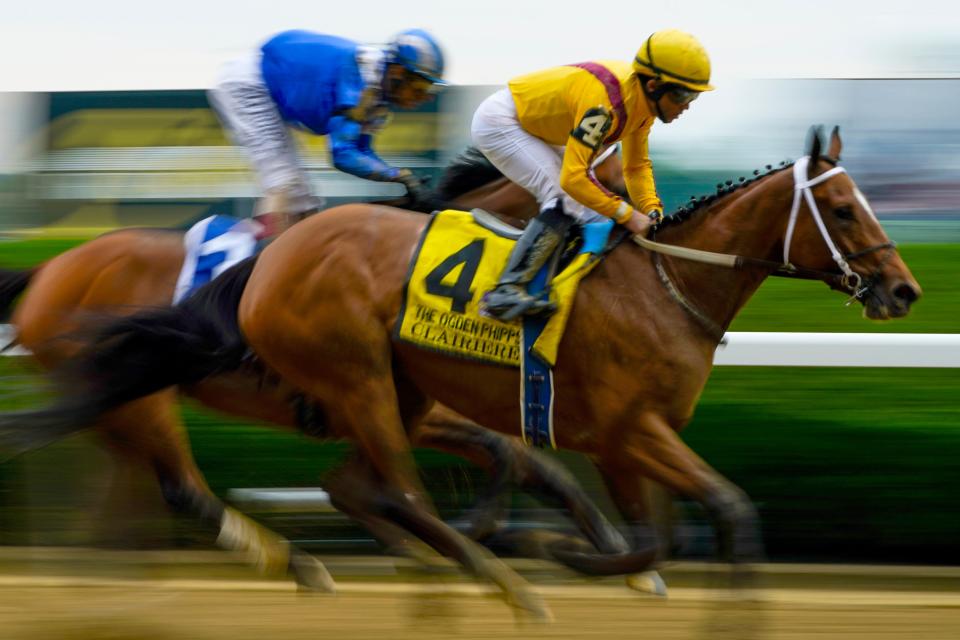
[(22, 254), (845, 463)]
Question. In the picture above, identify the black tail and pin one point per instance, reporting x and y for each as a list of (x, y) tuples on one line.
[(12, 284), (135, 356)]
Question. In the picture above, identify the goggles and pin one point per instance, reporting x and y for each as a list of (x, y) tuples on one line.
[(681, 95), (421, 83)]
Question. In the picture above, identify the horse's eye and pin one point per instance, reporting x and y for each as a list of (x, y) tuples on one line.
[(844, 212)]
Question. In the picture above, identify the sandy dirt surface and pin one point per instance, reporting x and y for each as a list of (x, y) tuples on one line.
[(79, 608)]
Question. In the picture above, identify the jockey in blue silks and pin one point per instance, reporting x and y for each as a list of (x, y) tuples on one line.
[(325, 85)]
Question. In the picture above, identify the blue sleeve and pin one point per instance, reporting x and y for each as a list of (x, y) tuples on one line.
[(351, 151), (349, 87)]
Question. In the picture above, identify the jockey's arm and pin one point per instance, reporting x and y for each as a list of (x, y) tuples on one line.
[(351, 151), (638, 172), (577, 179)]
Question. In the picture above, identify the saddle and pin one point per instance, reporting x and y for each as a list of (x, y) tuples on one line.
[(461, 255)]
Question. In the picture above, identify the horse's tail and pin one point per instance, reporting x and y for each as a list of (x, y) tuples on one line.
[(136, 356), (12, 284)]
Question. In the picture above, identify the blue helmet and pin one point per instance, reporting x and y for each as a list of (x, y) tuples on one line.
[(416, 51)]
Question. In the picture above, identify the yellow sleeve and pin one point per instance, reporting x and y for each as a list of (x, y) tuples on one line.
[(638, 172), (582, 146)]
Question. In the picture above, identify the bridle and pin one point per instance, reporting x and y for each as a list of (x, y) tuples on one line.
[(850, 280), (845, 278)]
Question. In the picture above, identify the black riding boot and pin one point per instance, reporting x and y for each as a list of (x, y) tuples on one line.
[(534, 248)]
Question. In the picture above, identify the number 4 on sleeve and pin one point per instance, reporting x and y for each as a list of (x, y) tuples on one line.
[(593, 127)]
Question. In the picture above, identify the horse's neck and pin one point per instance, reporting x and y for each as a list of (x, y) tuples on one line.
[(748, 223)]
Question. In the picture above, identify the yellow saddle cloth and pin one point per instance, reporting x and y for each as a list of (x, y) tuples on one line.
[(460, 259)]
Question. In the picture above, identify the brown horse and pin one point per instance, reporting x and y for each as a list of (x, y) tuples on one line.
[(320, 303), (316, 298), (127, 270), (631, 366)]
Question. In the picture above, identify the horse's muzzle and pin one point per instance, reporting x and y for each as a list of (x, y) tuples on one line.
[(892, 301)]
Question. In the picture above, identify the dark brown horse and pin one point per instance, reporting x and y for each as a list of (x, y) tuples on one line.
[(128, 270)]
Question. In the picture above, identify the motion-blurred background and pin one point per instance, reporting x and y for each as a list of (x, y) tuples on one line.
[(104, 124)]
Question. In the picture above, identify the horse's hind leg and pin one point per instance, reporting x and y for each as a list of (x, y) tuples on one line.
[(151, 431)]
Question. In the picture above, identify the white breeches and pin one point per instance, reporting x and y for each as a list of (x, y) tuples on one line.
[(242, 101), (524, 158)]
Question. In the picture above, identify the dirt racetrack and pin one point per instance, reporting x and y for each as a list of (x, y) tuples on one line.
[(109, 599)]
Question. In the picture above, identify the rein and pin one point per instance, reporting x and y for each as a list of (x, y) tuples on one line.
[(845, 278)]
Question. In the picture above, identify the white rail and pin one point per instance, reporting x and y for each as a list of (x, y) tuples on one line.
[(775, 349), (780, 349), (302, 499)]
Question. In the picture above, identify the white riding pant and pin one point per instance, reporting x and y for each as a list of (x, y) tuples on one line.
[(522, 157), (242, 101)]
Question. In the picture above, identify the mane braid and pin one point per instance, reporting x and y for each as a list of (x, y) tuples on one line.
[(724, 189)]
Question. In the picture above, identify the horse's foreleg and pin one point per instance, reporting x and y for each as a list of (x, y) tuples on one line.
[(344, 484), (150, 431), (652, 449), (366, 406), (510, 462), (372, 497)]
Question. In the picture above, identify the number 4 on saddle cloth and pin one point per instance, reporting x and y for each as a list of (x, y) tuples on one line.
[(461, 256)]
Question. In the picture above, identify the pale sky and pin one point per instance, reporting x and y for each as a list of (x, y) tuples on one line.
[(131, 44)]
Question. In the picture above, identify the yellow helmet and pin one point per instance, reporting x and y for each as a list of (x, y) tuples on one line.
[(675, 56)]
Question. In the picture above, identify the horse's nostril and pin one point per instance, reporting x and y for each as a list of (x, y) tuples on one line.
[(906, 293)]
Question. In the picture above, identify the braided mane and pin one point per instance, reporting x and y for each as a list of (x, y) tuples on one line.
[(724, 189)]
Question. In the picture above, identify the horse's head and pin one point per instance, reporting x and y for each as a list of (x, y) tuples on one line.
[(832, 228)]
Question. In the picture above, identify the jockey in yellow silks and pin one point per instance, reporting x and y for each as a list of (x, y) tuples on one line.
[(546, 128)]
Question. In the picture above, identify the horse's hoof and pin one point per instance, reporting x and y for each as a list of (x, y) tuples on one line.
[(648, 582), (311, 575), (532, 605)]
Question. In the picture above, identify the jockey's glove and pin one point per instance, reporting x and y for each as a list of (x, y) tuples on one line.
[(419, 195), (410, 180)]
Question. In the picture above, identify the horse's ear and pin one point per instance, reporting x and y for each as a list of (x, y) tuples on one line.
[(814, 145), (835, 144)]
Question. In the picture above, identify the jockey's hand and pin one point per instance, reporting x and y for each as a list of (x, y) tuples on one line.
[(639, 224), (418, 194), (410, 180)]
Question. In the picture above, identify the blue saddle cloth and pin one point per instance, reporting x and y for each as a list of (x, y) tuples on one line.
[(212, 246)]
